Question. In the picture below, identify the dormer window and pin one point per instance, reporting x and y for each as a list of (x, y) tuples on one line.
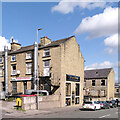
[(46, 52), (13, 58), (28, 55), (1, 60)]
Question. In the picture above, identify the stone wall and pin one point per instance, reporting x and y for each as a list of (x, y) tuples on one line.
[(51, 101)]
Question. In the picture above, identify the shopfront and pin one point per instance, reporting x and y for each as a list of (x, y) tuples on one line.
[(72, 90), (21, 84)]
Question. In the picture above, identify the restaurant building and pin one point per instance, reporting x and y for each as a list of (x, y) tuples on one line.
[(99, 84), (60, 69)]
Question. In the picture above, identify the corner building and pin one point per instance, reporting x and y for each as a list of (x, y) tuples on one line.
[(60, 69)]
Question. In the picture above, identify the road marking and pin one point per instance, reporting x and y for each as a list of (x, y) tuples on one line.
[(104, 116)]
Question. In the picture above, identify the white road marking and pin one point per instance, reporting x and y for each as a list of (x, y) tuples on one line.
[(104, 116)]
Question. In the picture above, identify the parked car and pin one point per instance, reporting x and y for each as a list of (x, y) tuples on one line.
[(91, 105), (104, 104), (112, 103)]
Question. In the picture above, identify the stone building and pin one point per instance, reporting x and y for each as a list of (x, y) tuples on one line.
[(60, 69), (99, 84), (117, 90)]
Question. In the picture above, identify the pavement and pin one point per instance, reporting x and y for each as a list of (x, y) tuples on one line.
[(8, 111)]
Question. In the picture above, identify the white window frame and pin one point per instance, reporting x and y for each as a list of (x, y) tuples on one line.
[(45, 51), (1, 59), (28, 68), (28, 55), (13, 72), (12, 57), (1, 73), (46, 68)]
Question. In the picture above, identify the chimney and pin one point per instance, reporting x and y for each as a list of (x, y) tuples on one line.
[(14, 45), (45, 41)]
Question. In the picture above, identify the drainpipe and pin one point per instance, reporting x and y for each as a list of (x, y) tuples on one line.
[(6, 69), (35, 65)]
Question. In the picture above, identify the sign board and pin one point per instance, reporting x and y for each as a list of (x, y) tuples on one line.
[(22, 79), (72, 78)]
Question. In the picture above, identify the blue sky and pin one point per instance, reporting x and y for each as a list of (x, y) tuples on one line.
[(61, 20)]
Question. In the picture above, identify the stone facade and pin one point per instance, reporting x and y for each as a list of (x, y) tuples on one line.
[(100, 86), (64, 58), (117, 90)]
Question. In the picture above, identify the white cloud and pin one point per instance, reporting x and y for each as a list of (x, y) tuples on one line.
[(105, 64), (4, 42), (103, 24), (112, 41), (68, 6)]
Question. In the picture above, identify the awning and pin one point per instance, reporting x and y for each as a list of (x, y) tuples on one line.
[(21, 79)]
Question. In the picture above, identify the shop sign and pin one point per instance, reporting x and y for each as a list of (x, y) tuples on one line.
[(73, 78), (21, 78)]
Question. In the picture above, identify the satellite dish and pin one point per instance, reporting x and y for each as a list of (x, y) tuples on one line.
[(18, 72)]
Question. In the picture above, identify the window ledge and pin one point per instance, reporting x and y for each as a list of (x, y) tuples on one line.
[(28, 58), (13, 74), (46, 56), (28, 74)]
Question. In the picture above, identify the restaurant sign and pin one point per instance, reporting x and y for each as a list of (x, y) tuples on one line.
[(72, 78)]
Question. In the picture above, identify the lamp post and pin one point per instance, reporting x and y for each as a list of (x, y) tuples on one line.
[(37, 88)]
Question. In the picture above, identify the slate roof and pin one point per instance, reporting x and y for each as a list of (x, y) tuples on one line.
[(97, 73), (31, 47)]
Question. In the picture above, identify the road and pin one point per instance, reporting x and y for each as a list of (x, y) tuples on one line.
[(8, 111)]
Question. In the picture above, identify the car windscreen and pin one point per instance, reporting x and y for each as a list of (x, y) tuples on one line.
[(87, 102)]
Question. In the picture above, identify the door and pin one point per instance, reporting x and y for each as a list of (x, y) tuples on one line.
[(25, 87), (14, 87)]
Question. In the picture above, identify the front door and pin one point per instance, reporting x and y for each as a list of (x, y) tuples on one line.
[(25, 87)]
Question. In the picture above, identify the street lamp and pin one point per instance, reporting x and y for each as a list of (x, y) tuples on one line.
[(37, 70)]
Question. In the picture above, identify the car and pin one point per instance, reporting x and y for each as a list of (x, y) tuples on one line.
[(94, 105), (104, 104), (112, 103)]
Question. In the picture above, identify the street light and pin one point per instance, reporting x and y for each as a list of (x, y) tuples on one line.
[(37, 70)]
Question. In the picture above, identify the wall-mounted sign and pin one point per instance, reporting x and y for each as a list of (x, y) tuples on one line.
[(72, 78), (22, 79)]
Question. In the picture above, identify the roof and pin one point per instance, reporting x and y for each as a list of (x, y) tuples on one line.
[(97, 73), (31, 47)]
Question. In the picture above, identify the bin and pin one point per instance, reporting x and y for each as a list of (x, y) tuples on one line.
[(19, 101)]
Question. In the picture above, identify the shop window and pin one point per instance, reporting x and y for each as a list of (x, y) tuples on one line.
[(28, 68), (77, 89), (28, 55), (1, 60), (77, 100), (47, 68), (93, 82), (68, 102), (117, 90), (102, 82), (68, 89), (46, 52), (13, 58), (13, 69), (14, 87), (3, 86), (1, 71)]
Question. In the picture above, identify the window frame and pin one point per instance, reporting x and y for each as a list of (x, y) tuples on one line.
[(46, 51), (102, 82), (12, 71), (93, 82), (1, 59), (28, 56), (1, 75), (28, 68), (12, 58)]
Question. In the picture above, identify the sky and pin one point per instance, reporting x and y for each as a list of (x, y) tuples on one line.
[(94, 24)]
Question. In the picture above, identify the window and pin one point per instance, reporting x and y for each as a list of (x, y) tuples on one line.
[(13, 58), (1, 60), (28, 55), (68, 89), (47, 68), (102, 82), (1, 71), (93, 82), (28, 68), (47, 52), (77, 89), (14, 87), (13, 70), (117, 90)]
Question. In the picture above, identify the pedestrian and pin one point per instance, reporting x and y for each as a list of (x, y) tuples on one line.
[(117, 101)]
